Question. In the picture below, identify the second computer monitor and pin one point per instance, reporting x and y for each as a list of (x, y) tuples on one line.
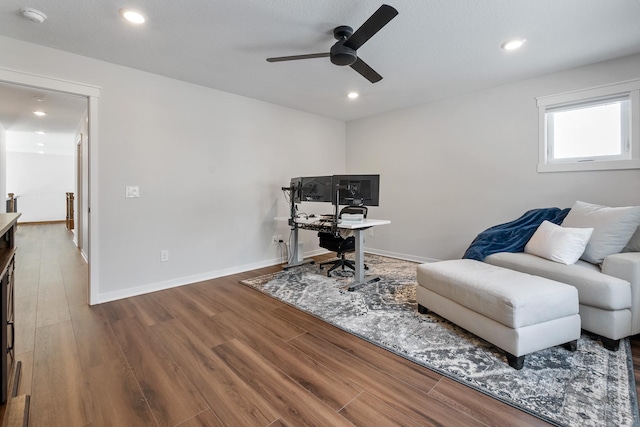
[(316, 189), (356, 190)]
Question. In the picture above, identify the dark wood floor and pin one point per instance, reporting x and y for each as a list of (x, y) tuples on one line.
[(214, 353)]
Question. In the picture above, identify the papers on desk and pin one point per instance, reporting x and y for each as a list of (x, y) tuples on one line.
[(352, 218)]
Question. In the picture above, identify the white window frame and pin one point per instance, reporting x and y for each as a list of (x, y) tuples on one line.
[(630, 159)]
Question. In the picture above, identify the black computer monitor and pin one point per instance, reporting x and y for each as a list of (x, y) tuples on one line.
[(316, 189), (356, 190)]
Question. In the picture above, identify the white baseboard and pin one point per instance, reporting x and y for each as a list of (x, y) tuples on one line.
[(181, 281), (84, 255), (187, 280), (399, 255)]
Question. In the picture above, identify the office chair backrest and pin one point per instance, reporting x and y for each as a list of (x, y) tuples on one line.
[(354, 210)]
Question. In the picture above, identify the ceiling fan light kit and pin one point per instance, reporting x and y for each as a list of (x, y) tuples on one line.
[(344, 51)]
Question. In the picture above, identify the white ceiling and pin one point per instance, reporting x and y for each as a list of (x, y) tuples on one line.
[(17, 104), (64, 114), (432, 49)]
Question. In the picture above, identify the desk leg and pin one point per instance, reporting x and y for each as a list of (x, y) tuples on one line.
[(359, 274), (359, 280), (294, 253)]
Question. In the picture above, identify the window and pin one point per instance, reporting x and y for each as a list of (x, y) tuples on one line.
[(593, 129)]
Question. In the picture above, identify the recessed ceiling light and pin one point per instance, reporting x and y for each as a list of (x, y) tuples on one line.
[(40, 144), (133, 16), (40, 113), (353, 95), (40, 132), (40, 152), (513, 44)]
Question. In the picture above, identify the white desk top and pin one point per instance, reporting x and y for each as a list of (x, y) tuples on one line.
[(368, 222)]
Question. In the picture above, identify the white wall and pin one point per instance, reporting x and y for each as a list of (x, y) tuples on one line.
[(452, 168), (209, 166), (40, 181)]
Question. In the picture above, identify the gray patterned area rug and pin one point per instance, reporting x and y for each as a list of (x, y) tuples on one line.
[(589, 387)]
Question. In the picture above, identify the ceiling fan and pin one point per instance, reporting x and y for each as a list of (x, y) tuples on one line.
[(343, 52)]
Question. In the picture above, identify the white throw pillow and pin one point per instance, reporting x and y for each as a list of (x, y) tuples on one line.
[(612, 228), (559, 244)]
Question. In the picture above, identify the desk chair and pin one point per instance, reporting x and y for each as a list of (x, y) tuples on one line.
[(341, 245)]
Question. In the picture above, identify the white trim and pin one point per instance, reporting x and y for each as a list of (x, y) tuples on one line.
[(52, 83), (93, 94), (547, 103), (92, 203), (182, 281), (589, 166), (189, 280), (84, 256), (398, 255), (592, 92)]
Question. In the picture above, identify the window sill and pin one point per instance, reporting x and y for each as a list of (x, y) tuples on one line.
[(589, 166)]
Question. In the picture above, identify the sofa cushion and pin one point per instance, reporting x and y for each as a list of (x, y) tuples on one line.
[(560, 244), (612, 228), (594, 288)]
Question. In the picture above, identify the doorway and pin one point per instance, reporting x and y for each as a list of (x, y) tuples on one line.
[(85, 165)]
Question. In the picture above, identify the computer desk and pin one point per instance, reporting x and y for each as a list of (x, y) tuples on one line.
[(358, 231)]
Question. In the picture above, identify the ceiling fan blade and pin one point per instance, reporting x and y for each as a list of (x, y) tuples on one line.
[(295, 57), (379, 19), (367, 72)]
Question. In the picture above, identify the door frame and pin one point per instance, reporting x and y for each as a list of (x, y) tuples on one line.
[(79, 199), (92, 93)]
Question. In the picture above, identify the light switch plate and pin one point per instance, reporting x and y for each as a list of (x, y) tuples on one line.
[(132, 192)]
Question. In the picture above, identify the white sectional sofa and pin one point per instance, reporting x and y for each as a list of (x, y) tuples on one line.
[(607, 275)]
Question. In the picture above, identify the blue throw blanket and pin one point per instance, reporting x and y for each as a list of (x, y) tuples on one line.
[(512, 236)]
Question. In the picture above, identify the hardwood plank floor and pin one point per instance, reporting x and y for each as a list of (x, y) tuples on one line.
[(211, 354)]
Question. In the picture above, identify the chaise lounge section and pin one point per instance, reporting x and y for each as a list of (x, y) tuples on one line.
[(516, 312)]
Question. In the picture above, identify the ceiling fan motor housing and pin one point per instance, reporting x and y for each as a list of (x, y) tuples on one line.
[(341, 54)]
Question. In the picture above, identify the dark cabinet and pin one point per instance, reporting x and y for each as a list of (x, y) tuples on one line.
[(7, 267)]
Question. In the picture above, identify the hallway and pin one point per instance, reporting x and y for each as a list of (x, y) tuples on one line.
[(51, 316)]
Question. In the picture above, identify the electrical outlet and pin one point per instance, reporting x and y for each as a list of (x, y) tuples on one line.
[(276, 239), (164, 255)]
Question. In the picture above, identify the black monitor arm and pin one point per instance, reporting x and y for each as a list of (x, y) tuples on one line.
[(292, 213)]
